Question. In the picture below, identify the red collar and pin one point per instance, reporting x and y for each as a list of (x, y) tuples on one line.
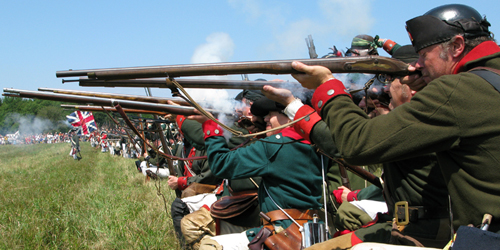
[(484, 49), (290, 133)]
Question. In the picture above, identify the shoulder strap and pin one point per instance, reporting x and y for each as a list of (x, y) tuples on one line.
[(489, 74)]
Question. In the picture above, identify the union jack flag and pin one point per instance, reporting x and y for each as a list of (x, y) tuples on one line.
[(83, 120)]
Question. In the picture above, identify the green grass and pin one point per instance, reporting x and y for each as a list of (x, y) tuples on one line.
[(50, 201)]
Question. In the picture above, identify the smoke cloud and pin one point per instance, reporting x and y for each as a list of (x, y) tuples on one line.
[(219, 47), (31, 125)]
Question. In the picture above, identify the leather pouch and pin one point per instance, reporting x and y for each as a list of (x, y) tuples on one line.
[(232, 206), (258, 242), (288, 239)]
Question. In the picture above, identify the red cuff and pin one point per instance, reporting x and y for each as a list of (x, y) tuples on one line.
[(211, 128), (388, 46), (206, 207), (182, 183), (355, 239), (338, 195), (353, 196), (327, 91), (180, 120), (340, 233), (304, 126)]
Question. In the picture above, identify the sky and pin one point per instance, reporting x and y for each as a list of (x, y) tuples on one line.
[(39, 38)]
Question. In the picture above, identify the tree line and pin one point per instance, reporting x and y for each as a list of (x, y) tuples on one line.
[(16, 111)]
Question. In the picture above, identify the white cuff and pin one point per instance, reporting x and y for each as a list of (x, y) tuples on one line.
[(292, 108)]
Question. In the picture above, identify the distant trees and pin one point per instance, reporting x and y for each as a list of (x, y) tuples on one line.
[(42, 116)]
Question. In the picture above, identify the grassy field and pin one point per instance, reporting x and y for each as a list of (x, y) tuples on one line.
[(50, 201)]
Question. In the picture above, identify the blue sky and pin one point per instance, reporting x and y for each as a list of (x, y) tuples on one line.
[(42, 37)]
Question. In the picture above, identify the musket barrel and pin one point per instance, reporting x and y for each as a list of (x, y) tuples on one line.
[(366, 64), (187, 83), (163, 100), (174, 109), (112, 109)]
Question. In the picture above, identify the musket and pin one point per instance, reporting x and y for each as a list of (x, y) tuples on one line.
[(163, 100), (343, 176), (185, 83), (375, 180), (100, 109), (170, 162), (311, 47), (173, 109), (149, 120), (362, 64)]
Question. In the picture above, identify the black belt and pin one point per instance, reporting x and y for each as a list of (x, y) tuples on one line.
[(416, 213)]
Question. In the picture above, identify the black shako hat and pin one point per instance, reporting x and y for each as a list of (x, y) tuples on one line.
[(264, 105), (443, 23)]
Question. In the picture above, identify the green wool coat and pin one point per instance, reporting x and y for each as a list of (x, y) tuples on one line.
[(455, 116), (290, 171)]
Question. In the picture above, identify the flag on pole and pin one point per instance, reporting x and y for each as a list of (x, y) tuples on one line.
[(83, 120)]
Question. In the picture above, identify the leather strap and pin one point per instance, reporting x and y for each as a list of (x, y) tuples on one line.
[(489, 74), (296, 214), (424, 213)]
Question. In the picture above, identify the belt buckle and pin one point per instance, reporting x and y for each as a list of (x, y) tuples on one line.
[(406, 216)]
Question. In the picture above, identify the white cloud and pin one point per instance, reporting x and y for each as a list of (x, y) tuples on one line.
[(218, 48)]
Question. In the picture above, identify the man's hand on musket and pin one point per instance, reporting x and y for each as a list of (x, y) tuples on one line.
[(314, 75), (283, 96), (414, 81)]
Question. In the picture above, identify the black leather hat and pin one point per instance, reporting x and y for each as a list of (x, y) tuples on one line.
[(443, 23), (264, 105)]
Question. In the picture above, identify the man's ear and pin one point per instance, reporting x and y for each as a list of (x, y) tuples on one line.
[(457, 46)]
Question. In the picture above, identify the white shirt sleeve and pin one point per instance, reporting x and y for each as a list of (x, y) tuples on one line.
[(292, 108)]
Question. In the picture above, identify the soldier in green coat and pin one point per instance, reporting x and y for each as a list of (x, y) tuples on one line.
[(289, 167), (452, 115), (417, 182)]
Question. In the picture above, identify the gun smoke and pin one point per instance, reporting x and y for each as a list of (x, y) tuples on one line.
[(32, 125)]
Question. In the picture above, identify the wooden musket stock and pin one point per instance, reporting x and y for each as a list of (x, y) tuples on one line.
[(139, 98), (373, 179), (173, 109), (100, 109), (363, 64), (185, 83)]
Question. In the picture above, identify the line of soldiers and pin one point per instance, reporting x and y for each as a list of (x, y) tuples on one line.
[(446, 123), (435, 138)]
